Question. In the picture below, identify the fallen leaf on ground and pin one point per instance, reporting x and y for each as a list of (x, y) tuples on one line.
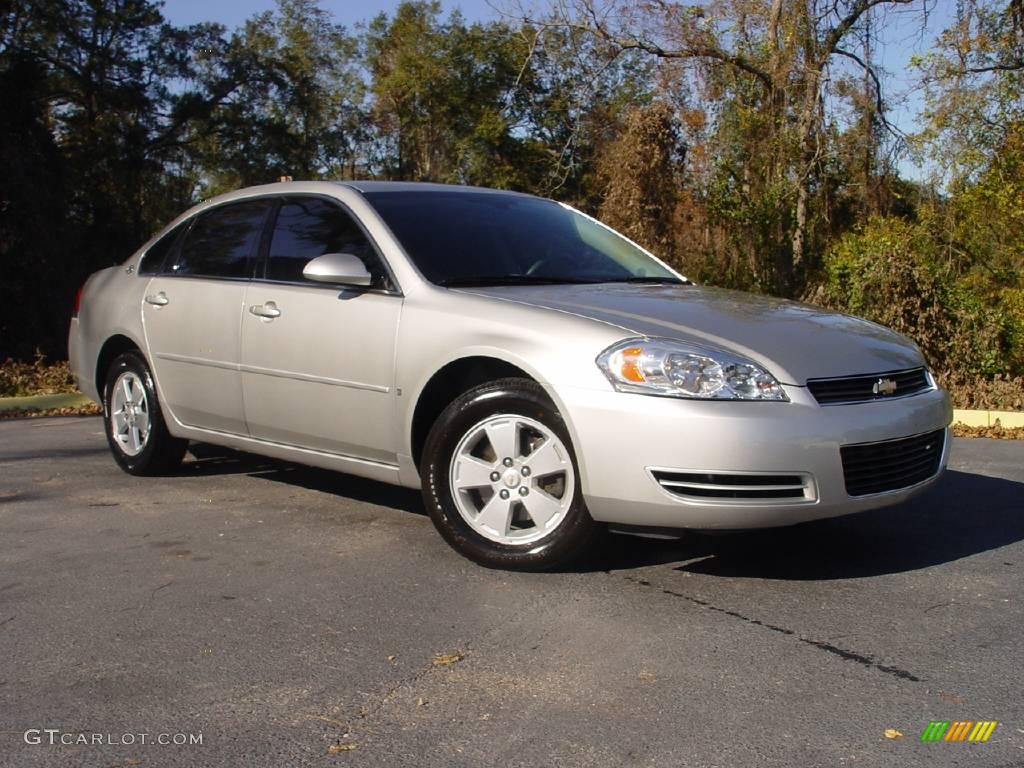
[(892, 733), (85, 410), (997, 431), (444, 659)]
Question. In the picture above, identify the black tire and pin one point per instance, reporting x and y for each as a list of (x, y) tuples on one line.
[(162, 452), (573, 536)]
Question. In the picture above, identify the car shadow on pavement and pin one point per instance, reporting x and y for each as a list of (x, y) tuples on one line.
[(216, 460), (964, 514)]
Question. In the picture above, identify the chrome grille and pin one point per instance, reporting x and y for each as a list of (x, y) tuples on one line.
[(891, 465), (858, 389), (699, 485)]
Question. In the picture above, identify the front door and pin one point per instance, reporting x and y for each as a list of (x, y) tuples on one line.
[(317, 361), (192, 315)]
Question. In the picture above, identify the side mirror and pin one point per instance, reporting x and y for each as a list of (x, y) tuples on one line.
[(337, 268)]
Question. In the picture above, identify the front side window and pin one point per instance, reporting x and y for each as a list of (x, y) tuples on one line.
[(153, 259), (223, 241), (308, 227)]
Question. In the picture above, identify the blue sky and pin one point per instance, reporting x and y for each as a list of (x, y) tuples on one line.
[(901, 32), (231, 13)]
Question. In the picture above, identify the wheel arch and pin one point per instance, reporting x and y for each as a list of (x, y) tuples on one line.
[(115, 345), (459, 375), (446, 384)]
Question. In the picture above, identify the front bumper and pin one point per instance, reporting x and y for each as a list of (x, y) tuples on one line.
[(620, 438)]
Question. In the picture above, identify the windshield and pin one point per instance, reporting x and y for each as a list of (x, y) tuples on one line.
[(484, 238)]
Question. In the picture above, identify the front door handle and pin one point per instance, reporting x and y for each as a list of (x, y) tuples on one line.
[(267, 311), (158, 299)]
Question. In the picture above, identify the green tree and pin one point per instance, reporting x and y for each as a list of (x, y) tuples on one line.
[(448, 98), (290, 100), (973, 140), (88, 84), (762, 66)]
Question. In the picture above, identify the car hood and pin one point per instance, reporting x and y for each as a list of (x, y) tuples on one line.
[(794, 341)]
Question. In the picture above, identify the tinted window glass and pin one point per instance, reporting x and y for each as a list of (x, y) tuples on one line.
[(308, 227), (154, 258), (467, 237), (223, 241)]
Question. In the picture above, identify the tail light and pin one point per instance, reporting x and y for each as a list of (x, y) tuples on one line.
[(78, 301)]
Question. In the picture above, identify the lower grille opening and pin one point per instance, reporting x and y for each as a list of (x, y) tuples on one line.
[(700, 485), (888, 466)]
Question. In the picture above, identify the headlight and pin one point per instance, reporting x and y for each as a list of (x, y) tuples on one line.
[(674, 369)]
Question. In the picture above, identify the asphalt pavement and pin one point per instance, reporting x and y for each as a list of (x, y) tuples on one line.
[(288, 616)]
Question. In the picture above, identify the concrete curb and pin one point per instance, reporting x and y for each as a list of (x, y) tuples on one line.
[(44, 402), (1007, 419)]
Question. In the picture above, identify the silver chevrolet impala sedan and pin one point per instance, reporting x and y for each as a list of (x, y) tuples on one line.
[(538, 375)]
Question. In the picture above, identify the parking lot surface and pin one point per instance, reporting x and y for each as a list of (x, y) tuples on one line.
[(292, 616)]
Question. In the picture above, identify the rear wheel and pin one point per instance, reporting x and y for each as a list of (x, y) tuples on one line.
[(134, 424), (500, 479)]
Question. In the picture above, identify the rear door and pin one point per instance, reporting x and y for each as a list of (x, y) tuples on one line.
[(317, 360), (192, 313)]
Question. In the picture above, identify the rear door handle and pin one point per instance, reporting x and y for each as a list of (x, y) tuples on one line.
[(158, 300), (268, 311)]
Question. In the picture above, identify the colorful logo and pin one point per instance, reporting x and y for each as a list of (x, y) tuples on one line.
[(958, 730)]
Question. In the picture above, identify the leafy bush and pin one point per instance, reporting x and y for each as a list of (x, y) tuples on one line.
[(893, 272), (18, 379), (999, 393)]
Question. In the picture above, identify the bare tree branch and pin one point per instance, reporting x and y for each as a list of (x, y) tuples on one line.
[(879, 104), (859, 8), (695, 50)]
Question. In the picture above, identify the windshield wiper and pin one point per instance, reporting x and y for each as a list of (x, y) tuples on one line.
[(485, 280), (666, 280)]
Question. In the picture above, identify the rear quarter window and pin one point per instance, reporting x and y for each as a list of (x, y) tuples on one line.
[(155, 257)]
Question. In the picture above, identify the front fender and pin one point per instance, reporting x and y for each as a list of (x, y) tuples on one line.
[(555, 349)]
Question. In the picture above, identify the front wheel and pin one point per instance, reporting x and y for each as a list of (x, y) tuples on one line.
[(501, 482), (135, 426)]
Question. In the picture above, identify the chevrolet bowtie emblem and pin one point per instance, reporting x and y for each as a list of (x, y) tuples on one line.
[(884, 387)]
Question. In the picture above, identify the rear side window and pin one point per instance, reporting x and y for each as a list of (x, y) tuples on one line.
[(308, 227), (222, 242), (153, 259)]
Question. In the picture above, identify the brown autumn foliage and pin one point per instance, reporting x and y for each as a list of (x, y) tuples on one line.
[(38, 377), (92, 409), (997, 431), (639, 171)]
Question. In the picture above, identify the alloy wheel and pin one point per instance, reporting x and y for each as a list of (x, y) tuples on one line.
[(129, 413), (512, 479)]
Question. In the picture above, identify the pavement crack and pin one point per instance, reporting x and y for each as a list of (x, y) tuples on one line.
[(369, 712), (157, 589), (847, 655), (366, 716), (862, 659), (8, 621)]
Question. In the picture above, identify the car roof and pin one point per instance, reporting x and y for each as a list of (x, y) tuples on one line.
[(362, 187), (417, 186)]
